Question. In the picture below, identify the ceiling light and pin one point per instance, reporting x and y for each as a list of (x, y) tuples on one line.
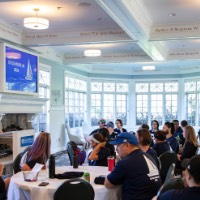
[(83, 4), (171, 14), (36, 22), (148, 68), (92, 52)]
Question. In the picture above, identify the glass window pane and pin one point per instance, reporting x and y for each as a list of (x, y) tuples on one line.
[(190, 86), (141, 109), (121, 107), (191, 108), (171, 109), (95, 109), (75, 101), (44, 89), (142, 87), (96, 86), (171, 87), (122, 87), (109, 87), (156, 87), (108, 107), (156, 107)]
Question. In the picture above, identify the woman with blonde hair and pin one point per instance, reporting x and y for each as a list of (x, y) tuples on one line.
[(39, 152), (191, 143)]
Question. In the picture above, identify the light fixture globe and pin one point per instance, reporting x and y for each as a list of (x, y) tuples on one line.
[(36, 22), (148, 68), (92, 52)]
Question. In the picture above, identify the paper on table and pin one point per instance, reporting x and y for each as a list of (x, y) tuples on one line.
[(34, 171), (37, 167)]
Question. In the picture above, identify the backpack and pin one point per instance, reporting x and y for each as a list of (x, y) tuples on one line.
[(77, 151)]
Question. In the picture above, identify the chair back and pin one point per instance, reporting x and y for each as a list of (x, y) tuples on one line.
[(75, 189), (166, 159), (16, 163), (73, 137), (174, 183), (70, 153), (171, 172), (197, 151)]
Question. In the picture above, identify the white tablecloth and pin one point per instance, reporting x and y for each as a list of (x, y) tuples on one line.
[(22, 190)]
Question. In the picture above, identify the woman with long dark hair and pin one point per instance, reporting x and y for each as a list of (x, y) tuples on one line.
[(154, 126), (39, 152), (119, 126)]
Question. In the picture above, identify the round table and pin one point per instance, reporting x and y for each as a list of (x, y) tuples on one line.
[(22, 190)]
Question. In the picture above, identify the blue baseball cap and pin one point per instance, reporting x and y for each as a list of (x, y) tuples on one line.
[(109, 124), (125, 137)]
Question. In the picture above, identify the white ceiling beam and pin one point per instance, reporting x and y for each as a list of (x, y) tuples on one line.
[(63, 37), (134, 19)]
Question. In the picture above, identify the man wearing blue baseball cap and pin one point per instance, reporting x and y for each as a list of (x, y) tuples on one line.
[(136, 171)]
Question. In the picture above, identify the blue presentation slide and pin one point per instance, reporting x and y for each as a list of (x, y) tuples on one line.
[(21, 71)]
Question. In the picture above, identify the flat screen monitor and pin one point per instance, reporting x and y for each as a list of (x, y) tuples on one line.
[(20, 71)]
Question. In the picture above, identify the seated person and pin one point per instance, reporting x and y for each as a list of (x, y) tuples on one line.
[(99, 154), (144, 126), (39, 152), (136, 171), (192, 183), (119, 128), (144, 138), (101, 124), (110, 126), (173, 142), (154, 126), (161, 145), (191, 143), (178, 133), (105, 133)]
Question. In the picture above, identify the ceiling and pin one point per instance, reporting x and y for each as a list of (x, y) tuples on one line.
[(129, 33)]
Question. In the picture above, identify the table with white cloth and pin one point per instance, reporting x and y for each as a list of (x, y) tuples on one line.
[(22, 190)]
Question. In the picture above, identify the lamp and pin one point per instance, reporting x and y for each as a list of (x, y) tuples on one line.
[(148, 68), (36, 22), (92, 52)]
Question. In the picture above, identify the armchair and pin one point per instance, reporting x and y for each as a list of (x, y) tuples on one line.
[(73, 137)]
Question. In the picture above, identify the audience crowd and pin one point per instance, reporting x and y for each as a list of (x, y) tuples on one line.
[(137, 155)]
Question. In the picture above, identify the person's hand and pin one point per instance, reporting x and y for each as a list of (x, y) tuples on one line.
[(101, 145), (155, 198), (179, 157)]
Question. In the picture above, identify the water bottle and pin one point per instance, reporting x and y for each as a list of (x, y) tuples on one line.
[(52, 166), (75, 163)]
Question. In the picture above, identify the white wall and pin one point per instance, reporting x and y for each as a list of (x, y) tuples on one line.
[(57, 112)]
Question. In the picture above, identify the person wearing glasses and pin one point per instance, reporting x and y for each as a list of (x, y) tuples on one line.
[(136, 171)]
